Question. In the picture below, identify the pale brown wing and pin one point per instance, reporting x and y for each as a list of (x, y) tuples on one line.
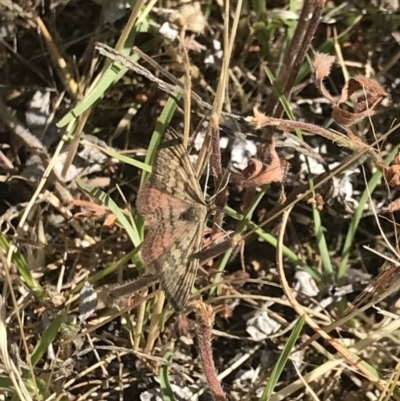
[(175, 212), (157, 205), (173, 171), (167, 250)]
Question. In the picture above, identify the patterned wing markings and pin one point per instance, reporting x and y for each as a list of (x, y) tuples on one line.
[(175, 213), (173, 170), (168, 253), (161, 237), (157, 205)]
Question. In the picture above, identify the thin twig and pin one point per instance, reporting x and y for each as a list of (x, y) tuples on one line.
[(162, 85), (272, 107), (296, 52), (260, 120), (130, 287), (154, 328)]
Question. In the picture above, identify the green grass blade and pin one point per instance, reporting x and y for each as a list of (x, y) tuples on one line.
[(280, 365), (114, 73), (106, 200), (22, 267), (122, 158), (166, 389), (162, 122), (47, 338)]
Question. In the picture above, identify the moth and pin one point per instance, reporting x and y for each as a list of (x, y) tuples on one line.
[(175, 214)]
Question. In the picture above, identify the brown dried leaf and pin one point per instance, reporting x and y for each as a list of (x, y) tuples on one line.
[(371, 94), (257, 174), (360, 83), (345, 118), (92, 209), (392, 173), (318, 201), (110, 220), (321, 69), (95, 210)]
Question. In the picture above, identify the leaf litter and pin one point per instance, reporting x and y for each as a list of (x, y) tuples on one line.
[(79, 248)]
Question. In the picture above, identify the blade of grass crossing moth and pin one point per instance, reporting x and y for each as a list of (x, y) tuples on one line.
[(283, 358), (162, 122)]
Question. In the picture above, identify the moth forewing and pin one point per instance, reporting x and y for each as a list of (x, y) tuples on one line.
[(175, 214)]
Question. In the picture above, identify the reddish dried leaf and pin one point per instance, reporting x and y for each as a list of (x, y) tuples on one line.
[(110, 220), (393, 176), (360, 83), (346, 118), (321, 69), (93, 209), (371, 94), (257, 174), (369, 85), (392, 173)]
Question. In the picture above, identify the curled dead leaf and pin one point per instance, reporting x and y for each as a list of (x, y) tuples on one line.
[(371, 93), (92, 209), (257, 174), (392, 173)]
